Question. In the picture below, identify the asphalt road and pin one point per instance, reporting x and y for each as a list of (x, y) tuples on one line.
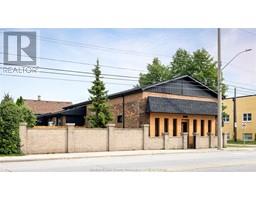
[(217, 161)]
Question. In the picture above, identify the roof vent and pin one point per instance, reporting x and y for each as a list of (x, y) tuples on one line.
[(39, 98)]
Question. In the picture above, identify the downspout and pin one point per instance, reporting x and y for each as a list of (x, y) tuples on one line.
[(123, 113)]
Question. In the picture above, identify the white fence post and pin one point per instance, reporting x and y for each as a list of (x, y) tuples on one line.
[(70, 137), (110, 129), (23, 137), (145, 128)]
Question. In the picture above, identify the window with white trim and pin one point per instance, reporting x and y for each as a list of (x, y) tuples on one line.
[(247, 117), (226, 118), (247, 136)]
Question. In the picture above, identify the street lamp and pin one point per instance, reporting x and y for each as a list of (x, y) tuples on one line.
[(238, 54), (219, 87)]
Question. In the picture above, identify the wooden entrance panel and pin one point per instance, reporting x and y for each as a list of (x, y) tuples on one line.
[(184, 126), (185, 129)]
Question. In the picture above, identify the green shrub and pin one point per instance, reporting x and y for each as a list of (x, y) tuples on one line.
[(11, 115)]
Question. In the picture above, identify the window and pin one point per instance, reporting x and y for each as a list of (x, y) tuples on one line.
[(166, 125), (157, 127), (209, 126), (174, 127), (247, 136), (202, 127), (194, 126), (247, 117), (119, 118), (226, 118)]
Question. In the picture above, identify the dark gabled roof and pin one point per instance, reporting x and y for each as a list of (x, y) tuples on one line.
[(76, 111), (178, 78), (180, 106), (111, 96), (141, 89)]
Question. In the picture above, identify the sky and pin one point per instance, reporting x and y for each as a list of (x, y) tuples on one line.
[(124, 52)]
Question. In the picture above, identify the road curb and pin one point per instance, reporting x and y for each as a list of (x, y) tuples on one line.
[(43, 157)]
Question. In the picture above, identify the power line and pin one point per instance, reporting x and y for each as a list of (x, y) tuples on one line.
[(243, 88), (246, 31), (78, 75), (236, 84), (81, 72), (95, 47), (75, 71), (77, 62), (59, 79)]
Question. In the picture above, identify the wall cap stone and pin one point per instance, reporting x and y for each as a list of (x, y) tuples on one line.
[(111, 125), (70, 124), (23, 124), (145, 125)]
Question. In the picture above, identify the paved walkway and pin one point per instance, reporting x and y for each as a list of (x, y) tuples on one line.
[(58, 156)]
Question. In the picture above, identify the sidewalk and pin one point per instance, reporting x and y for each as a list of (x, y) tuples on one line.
[(40, 157)]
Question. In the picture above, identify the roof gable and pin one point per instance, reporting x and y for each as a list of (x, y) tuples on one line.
[(185, 85)]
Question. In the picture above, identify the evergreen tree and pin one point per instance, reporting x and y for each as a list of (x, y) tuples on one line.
[(20, 101), (100, 114), (7, 98)]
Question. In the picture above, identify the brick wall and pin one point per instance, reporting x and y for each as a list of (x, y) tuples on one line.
[(134, 111)]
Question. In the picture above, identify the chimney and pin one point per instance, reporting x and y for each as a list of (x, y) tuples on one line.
[(39, 98)]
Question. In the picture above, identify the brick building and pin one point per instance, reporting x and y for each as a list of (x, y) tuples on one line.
[(175, 106)]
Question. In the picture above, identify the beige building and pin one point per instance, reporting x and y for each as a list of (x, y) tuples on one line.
[(242, 108)]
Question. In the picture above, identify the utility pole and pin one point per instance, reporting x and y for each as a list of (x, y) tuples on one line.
[(219, 93), (235, 117)]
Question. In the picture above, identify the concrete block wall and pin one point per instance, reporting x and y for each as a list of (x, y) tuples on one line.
[(90, 140), (71, 139), (53, 140), (173, 142), (204, 142), (126, 139)]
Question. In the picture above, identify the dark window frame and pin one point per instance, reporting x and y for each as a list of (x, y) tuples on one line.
[(166, 125), (202, 131), (174, 127), (209, 126), (157, 127), (194, 126)]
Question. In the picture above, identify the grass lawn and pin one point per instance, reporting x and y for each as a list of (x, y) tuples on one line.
[(240, 145), (241, 142), (5, 155)]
